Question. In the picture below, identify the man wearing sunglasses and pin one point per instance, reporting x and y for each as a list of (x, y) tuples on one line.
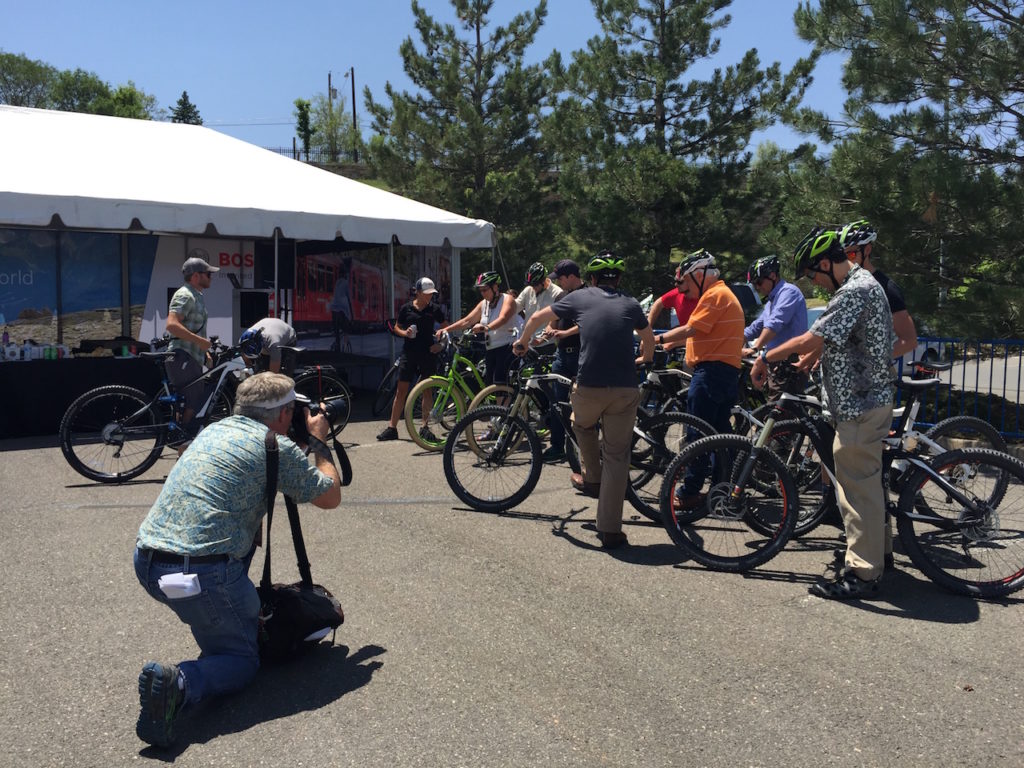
[(785, 310), (675, 299)]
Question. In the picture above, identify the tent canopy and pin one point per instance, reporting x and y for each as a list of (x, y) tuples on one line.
[(110, 173)]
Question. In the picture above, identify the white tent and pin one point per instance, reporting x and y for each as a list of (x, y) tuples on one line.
[(108, 173)]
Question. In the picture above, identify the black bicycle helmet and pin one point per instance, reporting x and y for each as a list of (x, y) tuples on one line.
[(606, 264), (856, 234), (488, 278), (820, 243), (536, 273), (762, 268), (251, 342)]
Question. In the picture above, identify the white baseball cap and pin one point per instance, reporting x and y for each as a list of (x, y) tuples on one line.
[(425, 285)]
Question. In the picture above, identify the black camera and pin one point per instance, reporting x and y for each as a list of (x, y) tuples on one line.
[(299, 431)]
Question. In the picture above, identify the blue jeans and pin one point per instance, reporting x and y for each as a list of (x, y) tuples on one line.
[(565, 364), (714, 390), (223, 619)]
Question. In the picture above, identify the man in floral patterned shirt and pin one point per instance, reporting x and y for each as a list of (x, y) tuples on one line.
[(196, 543), (855, 338)]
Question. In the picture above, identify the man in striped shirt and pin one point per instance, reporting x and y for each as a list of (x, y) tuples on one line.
[(714, 340)]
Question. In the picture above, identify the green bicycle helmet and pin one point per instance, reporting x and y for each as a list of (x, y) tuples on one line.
[(488, 278), (763, 268), (820, 243), (536, 273), (856, 234), (606, 264)]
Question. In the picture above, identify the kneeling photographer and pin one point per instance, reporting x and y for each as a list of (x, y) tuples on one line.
[(196, 543)]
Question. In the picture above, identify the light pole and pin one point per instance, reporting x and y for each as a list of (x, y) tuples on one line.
[(351, 75)]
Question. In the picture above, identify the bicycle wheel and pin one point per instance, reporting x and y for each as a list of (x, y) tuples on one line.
[(329, 389), (791, 441), (490, 395), (110, 434), (385, 392), (977, 552), (447, 407), (720, 529), (492, 460), (656, 441)]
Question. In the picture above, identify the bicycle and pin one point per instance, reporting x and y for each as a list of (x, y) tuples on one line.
[(969, 499), (115, 433), (321, 384), (385, 392), (448, 393), (493, 457)]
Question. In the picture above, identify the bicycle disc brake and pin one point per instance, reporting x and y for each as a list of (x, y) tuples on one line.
[(722, 505)]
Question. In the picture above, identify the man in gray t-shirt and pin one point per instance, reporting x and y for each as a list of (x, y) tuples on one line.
[(273, 335), (606, 389)]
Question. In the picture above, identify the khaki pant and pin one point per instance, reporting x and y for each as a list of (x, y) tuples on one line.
[(857, 449), (605, 462)]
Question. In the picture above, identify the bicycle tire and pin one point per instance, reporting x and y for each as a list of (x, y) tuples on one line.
[(663, 435), (324, 387), (93, 437), (385, 393), (977, 556), (718, 532), (448, 406), (480, 471), (791, 440)]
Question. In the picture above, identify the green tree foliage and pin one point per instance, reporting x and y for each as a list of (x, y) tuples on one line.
[(467, 138), (303, 124), (128, 101), (185, 111), (928, 148), (78, 91), (333, 133), (651, 158), (25, 82)]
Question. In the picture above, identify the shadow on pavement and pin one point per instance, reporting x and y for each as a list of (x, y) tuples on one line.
[(322, 676)]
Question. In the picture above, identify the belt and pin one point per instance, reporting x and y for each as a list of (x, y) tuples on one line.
[(158, 556), (568, 349)]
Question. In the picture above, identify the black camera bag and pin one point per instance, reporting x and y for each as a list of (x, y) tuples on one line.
[(291, 613)]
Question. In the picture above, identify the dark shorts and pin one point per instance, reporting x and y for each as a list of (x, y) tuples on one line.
[(413, 367), (181, 369), (498, 361)]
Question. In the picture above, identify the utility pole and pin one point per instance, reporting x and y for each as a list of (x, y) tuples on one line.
[(331, 93), (351, 74)]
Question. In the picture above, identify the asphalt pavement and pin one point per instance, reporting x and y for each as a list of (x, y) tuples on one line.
[(475, 639)]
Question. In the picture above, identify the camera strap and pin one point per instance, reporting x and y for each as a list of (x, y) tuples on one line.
[(293, 519), (344, 465)]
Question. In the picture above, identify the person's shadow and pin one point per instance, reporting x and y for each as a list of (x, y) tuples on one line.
[(323, 675)]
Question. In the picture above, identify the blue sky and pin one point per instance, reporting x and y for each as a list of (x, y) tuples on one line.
[(244, 63)]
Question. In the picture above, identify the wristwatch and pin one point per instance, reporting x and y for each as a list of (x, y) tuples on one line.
[(763, 354)]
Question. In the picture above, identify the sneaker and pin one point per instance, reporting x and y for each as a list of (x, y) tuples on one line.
[(688, 502), (553, 454), (160, 700), (847, 586), (388, 433), (429, 436)]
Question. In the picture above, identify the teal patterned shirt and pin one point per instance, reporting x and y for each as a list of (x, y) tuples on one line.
[(214, 499), (189, 304)]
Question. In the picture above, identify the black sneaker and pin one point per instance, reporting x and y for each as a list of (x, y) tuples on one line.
[(553, 454), (429, 436), (160, 701), (847, 586), (388, 433)]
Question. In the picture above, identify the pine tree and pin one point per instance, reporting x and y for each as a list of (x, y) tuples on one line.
[(185, 111), (651, 159), (467, 138)]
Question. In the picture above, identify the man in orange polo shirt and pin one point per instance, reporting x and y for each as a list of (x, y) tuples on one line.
[(714, 340)]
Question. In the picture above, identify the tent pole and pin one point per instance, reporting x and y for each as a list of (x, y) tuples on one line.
[(277, 299), (390, 293)]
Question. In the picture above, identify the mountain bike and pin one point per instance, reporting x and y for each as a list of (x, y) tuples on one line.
[(493, 457), (115, 433), (447, 393), (960, 514)]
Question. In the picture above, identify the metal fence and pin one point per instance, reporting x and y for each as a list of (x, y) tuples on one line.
[(985, 381)]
